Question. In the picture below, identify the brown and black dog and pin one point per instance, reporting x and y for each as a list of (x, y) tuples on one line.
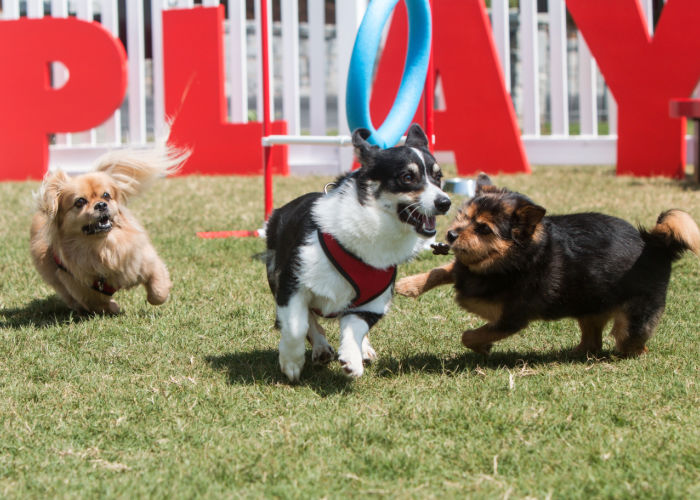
[(513, 265)]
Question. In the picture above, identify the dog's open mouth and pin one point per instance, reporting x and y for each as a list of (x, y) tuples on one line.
[(101, 225), (424, 224)]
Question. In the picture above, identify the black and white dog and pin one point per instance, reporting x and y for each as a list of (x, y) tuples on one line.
[(335, 254)]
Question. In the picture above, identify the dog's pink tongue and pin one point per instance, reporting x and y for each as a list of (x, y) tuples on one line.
[(428, 223)]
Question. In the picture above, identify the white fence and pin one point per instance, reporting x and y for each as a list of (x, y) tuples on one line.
[(566, 113)]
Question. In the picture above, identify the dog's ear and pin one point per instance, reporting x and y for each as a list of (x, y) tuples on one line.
[(416, 138), (526, 217), (49, 196), (364, 151), (483, 181), (484, 185)]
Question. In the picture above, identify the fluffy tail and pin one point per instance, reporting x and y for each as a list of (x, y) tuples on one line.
[(136, 169), (676, 231)]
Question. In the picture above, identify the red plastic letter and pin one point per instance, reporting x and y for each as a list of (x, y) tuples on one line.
[(30, 108), (479, 122), (644, 74), (196, 102)]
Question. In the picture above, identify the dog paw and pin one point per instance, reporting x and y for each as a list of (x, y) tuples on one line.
[(323, 354), (157, 299), (484, 349), (407, 287), (583, 349), (352, 367), (291, 363), (113, 308), (369, 355), (480, 348), (291, 369)]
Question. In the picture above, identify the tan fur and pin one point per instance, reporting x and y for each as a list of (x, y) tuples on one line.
[(679, 226), (123, 257), (488, 310), (415, 285)]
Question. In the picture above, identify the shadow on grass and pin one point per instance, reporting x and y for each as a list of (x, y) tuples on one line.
[(262, 366), (40, 313), (468, 361)]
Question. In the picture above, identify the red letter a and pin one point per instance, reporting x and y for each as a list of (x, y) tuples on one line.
[(479, 122)]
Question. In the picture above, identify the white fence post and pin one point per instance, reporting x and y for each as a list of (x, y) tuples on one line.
[(528, 44), (559, 95), (159, 127), (10, 9), (316, 13), (137, 73), (588, 95), (85, 11), (290, 66), (110, 19), (500, 21), (238, 69)]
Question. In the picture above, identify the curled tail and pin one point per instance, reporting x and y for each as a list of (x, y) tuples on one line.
[(676, 231)]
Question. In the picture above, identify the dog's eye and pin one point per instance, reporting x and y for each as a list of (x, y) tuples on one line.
[(106, 196), (482, 229), (80, 202), (408, 178)]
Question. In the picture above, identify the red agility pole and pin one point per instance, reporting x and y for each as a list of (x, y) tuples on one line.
[(266, 131), (266, 119)]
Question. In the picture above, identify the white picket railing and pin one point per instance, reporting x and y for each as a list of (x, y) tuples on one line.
[(309, 68)]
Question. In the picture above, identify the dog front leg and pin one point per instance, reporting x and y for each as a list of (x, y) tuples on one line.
[(293, 320), (481, 339), (418, 284), (158, 282), (353, 329)]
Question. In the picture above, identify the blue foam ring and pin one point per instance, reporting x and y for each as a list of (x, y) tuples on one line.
[(364, 54)]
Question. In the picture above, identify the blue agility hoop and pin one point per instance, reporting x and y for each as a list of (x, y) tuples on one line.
[(364, 54)]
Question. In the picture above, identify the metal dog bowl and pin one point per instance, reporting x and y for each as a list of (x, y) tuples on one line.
[(456, 185)]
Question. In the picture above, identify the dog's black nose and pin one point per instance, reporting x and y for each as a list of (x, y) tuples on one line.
[(101, 206), (451, 236), (442, 203)]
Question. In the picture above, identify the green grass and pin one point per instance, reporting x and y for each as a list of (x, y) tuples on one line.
[(187, 399)]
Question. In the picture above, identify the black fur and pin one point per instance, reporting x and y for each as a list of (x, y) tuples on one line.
[(369, 317), (287, 228), (584, 264)]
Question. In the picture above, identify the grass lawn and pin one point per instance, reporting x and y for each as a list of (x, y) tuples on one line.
[(187, 399)]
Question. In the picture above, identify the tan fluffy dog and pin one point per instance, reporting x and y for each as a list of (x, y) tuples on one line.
[(86, 244)]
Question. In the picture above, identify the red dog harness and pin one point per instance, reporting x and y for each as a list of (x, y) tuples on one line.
[(99, 285), (368, 282)]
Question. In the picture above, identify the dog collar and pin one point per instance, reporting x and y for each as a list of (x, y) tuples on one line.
[(99, 285), (368, 282)]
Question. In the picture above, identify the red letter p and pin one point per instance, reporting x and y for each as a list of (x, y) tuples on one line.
[(30, 108)]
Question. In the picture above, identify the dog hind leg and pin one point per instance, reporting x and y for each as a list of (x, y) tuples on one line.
[(293, 320), (321, 353), (634, 326)]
